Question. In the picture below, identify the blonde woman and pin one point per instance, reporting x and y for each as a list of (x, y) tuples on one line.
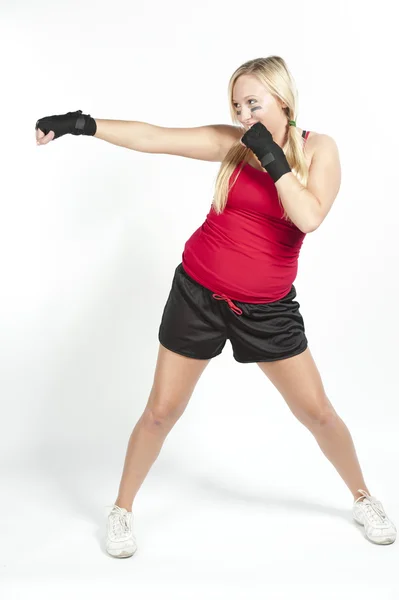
[(276, 184)]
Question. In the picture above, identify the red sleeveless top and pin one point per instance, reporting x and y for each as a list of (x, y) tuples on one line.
[(249, 252)]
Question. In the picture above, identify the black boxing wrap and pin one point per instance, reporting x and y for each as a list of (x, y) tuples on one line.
[(259, 139), (75, 123)]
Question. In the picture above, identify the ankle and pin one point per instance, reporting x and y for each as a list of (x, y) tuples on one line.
[(122, 504), (358, 494)]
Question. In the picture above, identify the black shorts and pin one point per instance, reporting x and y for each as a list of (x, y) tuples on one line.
[(197, 325)]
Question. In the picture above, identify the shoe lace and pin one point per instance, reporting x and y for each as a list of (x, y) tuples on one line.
[(118, 521), (373, 508)]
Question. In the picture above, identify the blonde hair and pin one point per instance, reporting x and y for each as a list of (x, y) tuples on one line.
[(273, 73)]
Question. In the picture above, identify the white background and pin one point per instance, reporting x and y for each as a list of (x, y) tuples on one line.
[(241, 502)]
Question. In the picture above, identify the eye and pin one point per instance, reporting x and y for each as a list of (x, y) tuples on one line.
[(235, 104)]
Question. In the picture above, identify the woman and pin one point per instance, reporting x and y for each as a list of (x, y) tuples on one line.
[(276, 183)]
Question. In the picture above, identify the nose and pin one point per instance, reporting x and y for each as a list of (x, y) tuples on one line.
[(246, 115)]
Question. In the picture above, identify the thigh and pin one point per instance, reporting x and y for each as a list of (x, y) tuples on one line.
[(175, 378), (267, 332), (192, 324), (299, 382)]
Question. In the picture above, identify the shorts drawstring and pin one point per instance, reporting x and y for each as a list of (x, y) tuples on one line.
[(233, 307)]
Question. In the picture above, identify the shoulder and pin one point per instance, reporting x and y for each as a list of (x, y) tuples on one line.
[(318, 141), (320, 144)]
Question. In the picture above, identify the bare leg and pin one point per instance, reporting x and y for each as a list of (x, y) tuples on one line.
[(299, 382), (174, 381)]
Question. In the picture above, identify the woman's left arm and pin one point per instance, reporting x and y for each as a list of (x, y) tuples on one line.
[(308, 206)]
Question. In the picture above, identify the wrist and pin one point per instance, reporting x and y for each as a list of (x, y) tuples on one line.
[(85, 125), (275, 162)]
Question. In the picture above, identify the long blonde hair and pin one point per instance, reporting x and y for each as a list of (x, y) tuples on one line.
[(273, 73)]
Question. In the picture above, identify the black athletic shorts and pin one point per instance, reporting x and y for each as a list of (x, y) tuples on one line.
[(196, 323)]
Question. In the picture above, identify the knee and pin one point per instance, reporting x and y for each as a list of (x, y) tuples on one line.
[(161, 414), (319, 413)]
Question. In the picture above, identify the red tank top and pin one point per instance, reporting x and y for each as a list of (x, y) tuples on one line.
[(249, 252)]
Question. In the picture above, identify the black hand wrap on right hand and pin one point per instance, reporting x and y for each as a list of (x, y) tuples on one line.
[(75, 123)]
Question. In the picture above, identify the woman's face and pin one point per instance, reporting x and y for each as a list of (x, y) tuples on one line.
[(252, 103)]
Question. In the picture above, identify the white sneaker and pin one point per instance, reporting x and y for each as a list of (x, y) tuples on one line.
[(121, 542), (368, 511)]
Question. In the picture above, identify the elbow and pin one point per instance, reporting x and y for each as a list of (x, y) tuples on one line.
[(310, 226), (313, 222)]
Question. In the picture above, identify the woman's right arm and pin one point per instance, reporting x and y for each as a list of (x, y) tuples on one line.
[(207, 142)]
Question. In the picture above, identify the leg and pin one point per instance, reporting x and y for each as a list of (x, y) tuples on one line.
[(299, 382), (174, 381)]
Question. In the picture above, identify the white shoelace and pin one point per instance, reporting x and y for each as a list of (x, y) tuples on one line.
[(119, 524), (373, 508)]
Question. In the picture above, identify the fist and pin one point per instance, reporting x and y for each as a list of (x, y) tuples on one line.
[(258, 139)]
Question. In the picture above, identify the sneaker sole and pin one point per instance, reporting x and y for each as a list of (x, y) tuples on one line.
[(383, 540), (122, 553)]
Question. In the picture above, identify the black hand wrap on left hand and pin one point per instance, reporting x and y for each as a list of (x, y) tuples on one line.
[(259, 139)]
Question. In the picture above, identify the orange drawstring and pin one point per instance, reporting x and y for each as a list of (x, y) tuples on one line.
[(233, 307)]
